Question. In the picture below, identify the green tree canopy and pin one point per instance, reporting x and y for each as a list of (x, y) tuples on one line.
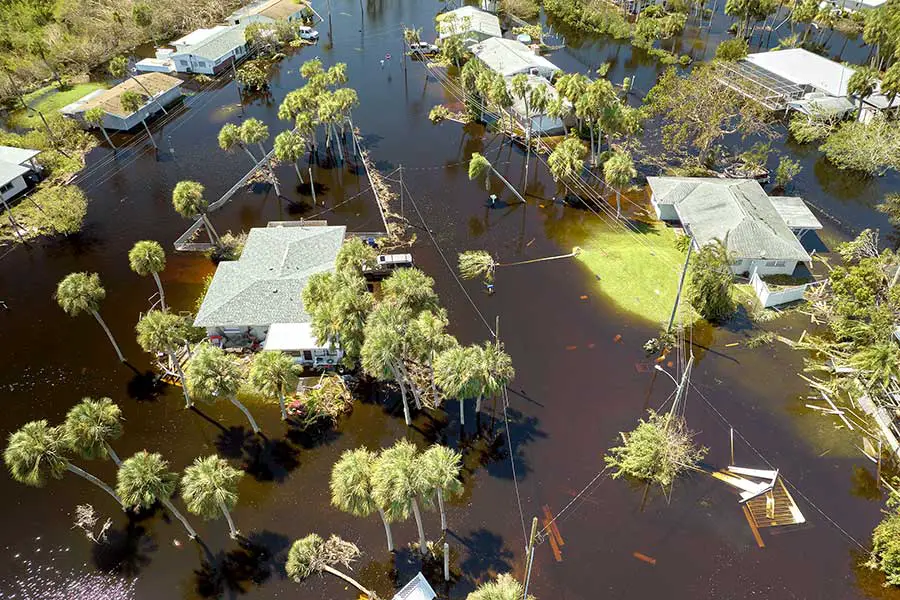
[(90, 426), (712, 283)]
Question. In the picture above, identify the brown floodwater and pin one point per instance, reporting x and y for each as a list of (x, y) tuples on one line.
[(581, 374)]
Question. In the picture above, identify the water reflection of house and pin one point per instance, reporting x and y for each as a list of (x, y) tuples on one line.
[(18, 171), (760, 232), (469, 24), (511, 57), (256, 301), (800, 80), (164, 90)]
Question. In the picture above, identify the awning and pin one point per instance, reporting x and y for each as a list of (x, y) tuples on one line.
[(291, 337), (823, 106)]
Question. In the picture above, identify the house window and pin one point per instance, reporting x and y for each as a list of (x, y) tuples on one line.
[(6, 187), (780, 263), (772, 263), (183, 62), (200, 63)]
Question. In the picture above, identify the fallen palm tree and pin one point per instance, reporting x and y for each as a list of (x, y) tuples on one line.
[(480, 263)]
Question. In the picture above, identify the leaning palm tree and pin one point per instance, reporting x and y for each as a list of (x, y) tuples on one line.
[(89, 427), (254, 131), (161, 332), (145, 479), (351, 488), (95, 116), (477, 263), (82, 292), (131, 103), (211, 375), (456, 373), (209, 487), (290, 147), (269, 373), (312, 554), (35, 453), (148, 258), (397, 481), (506, 587), (440, 466), (230, 138), (188, 200), (480, 167)]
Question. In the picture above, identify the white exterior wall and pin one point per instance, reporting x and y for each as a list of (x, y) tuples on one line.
[(17, 186), (150, 109), (764, 267), (545, 125), (664, 212)]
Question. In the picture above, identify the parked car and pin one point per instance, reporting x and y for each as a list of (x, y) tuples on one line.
[(307, 33), (423, 48)]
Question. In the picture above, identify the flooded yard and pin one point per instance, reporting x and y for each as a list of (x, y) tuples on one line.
[(582, 375)]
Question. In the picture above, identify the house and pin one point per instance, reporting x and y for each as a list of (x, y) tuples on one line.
[(164, 90), (256, 301), (417, 588), (738, 213), (469, 24), (800, 80), (267, 11), (209, 51), (541, 123), (511, 57), (18, 171)]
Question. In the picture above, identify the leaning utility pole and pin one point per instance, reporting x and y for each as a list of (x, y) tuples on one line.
[(529, 553), (685, 380), (680, 285)]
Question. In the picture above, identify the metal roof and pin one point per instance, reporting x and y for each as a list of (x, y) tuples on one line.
[(510, 57), (265, 284), (16, 156), (826, 105), (216, 46), (465, 20), (9, 171), (803, 67), (417, 588), (758, 84), (735, 211), (795, 213)]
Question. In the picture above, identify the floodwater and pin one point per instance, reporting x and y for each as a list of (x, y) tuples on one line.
[(581, 376)]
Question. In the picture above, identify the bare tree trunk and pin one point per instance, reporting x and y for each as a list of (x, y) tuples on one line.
[(150, 135), (478, 404), (462, 412), (112, 454), (233, 531), (412, 385), (402, 395), (109, 334), (162, 293), (171, 507), (13, 222), (348, 579), (281, 404), (423, 544), (106, 135), (440, 497), (246, 412), (387, 530), (297, 170), (187, 397), (82, 473)]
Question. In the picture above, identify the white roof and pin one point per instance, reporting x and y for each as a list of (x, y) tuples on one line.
[(466, 19), (510, 57), (291, 336), (16, 156), (418, 588), (805, 68), (199, 36), (9, 172)]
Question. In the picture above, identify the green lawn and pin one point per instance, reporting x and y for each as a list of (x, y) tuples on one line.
[(48, 100), (638, 271)]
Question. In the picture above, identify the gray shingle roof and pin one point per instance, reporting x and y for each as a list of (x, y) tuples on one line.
[(509, 57), (265, 285), (736, 211)]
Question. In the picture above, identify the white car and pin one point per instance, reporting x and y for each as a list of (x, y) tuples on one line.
[(307, 33), (423, 48)]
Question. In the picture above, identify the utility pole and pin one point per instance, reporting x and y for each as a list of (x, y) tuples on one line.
[(529, 552), (400, 169), (680, 285), (312, 186), (685, 378)]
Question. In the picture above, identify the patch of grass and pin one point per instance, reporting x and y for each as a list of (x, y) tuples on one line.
[(48, 100), (637, 281)]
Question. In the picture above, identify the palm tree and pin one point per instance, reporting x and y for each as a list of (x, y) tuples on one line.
[(351, 488), (890, 83), (862, 84), (355, 256), (506, 587), (254, 131), (441, 467), (35, 453), (290, 147), (161, 332), (209, 487), (312, 554), (558, 109), (95, 116), (398, 482), (477, 263), (89, 427), (494, 371), (82, 292), (410, 288), (566, 161), (230, 138), (269, 373), (480, 167), (382, 350), (131, 103), (211, 375), (456, 373), (188, 200), (148, 258), (145, 479), (428, 338), (618, 170), (118, 68)]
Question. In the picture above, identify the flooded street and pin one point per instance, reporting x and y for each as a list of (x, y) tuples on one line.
[(581, 372)]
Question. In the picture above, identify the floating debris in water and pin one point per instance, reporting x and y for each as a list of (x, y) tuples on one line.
[(45, 581)]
